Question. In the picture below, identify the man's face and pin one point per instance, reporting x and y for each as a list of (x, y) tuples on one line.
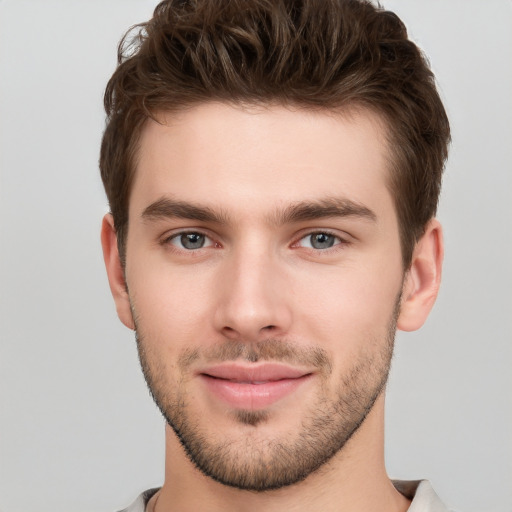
[(264, 274)]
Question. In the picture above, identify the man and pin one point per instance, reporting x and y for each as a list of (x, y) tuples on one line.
[(273, 171)]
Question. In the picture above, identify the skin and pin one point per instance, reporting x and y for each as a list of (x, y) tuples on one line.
[(258, 278)]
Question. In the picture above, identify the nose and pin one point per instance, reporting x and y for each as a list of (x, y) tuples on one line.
[(253, 302)]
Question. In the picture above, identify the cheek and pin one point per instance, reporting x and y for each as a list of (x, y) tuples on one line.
[(346, 309), (170, 302)]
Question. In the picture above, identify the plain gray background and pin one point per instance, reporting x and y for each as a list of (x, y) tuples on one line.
[(78, 431)]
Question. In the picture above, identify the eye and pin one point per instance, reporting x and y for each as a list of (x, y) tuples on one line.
[(190, 241), (319, 240)]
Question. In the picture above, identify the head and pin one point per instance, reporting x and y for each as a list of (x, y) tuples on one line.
[(272, 170), (333, 55)]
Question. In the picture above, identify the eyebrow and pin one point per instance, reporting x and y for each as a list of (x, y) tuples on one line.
[(166, 208), (301, 211), (323, 208)]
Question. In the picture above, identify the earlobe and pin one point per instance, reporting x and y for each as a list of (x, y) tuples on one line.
[(115, 271), (422, 280)]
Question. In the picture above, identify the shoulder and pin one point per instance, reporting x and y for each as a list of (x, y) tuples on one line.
[(423, 496), (139, 505)]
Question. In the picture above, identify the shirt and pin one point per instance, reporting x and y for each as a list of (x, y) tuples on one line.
[(424, 498)]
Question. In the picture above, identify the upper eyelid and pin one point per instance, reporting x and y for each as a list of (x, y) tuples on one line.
[(341, 240), (343, 236), (172, 234), (167, 240), (168, 235)]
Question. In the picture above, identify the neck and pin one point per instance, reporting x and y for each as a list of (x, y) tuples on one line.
[(354, 480)]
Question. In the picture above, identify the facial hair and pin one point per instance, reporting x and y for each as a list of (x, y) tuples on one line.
[(261, 464)]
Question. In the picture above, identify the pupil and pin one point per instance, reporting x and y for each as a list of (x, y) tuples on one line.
[(322, 241), (192, 240)]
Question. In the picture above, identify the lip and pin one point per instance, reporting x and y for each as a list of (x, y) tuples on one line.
[(252, 386)]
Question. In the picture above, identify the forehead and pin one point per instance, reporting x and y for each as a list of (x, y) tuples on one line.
[(257, 157)]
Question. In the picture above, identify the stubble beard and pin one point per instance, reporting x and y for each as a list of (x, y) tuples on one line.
[(255, 463)]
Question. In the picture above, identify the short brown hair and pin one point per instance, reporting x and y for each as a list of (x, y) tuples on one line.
[(322, 54)]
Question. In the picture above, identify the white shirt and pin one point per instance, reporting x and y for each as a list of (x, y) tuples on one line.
[(424, 498)]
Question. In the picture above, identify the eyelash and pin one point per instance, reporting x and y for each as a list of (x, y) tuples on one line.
[(176, 236), (339, 243)]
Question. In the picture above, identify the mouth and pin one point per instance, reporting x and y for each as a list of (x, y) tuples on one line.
[(252, 386)]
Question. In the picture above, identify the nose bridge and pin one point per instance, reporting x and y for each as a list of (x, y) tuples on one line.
[(252, 301)]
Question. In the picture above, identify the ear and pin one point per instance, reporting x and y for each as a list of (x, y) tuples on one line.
[(115, 271), (422, 280)]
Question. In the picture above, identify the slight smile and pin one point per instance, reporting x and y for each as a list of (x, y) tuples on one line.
[(252, 386)]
